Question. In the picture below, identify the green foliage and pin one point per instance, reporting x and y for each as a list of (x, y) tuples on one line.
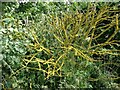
[(74, 49)]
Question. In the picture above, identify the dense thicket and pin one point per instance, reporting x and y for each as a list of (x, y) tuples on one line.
[(65, 45)]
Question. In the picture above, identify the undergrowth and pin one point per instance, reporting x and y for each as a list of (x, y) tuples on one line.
[(77, 50)]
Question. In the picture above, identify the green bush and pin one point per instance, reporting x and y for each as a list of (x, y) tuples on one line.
[(68, 49)]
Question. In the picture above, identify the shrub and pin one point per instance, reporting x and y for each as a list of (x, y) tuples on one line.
[(65, 49)]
